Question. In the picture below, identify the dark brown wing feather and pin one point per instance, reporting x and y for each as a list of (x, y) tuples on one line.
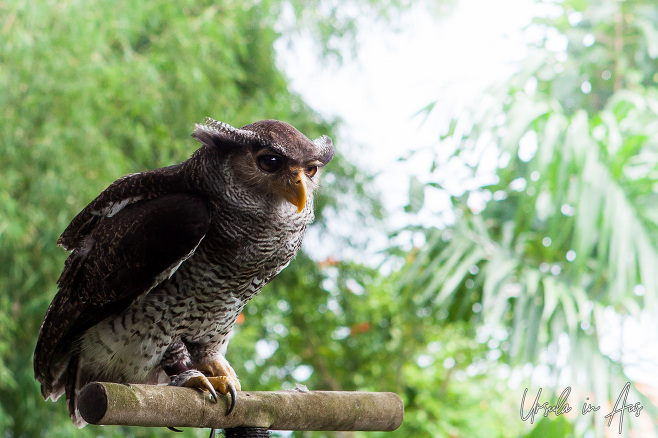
[(118, 260), (128, 189)]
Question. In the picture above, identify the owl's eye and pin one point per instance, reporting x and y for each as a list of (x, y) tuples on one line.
[(311, 171), (269, 163)]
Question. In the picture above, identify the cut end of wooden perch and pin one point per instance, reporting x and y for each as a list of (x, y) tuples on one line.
[(92, 402)]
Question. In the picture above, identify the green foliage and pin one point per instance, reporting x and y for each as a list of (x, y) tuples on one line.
[(567, 228), (550, 428)]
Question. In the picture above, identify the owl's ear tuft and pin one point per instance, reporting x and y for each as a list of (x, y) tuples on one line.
[(222, 135), (325, 147)]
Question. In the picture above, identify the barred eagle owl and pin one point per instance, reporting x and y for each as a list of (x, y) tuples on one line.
[(163, 262)]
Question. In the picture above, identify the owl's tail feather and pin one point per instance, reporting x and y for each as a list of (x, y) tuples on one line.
[(74, 384)]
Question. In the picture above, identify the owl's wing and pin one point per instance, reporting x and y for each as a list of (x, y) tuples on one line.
[(120, 255), (124, 191)]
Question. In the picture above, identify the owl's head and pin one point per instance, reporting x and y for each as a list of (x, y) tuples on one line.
[(270, 156)]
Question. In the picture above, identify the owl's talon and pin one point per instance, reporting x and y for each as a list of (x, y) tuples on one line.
[(224, 385), (213, 394), (223, 378), (198, 380), (234, 398), (195, 379)]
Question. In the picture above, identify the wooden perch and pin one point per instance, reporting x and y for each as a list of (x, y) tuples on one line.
[(169, 406)]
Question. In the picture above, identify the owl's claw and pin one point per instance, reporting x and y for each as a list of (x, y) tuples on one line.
[(196, 379), (234, 398), (224, 385), (223, 378)]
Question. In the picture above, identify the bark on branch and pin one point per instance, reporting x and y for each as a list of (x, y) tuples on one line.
[(168, 406)]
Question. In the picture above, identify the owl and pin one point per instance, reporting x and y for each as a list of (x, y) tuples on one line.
[(163, 262)]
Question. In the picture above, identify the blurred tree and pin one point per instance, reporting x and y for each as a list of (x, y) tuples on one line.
[(558, 231)]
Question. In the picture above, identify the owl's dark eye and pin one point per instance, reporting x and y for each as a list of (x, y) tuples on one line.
[(269, 163), (311, 171)]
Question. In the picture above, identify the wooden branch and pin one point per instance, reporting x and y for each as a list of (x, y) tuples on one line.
[(170, 406)]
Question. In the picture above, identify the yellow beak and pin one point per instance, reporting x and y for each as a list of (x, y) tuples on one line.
[(296, 194)]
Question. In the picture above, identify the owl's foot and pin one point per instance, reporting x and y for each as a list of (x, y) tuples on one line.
[(221, 375), (219, 367), (196, 379), (224, 385)]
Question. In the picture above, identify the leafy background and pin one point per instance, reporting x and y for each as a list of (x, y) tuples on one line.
[(531, 274)]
